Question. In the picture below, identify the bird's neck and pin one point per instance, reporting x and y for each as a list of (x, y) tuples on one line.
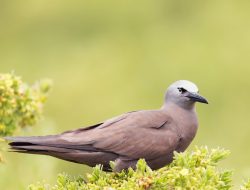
[(172, 105)]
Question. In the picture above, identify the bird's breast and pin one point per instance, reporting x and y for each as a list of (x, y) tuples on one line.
[(187, 125)]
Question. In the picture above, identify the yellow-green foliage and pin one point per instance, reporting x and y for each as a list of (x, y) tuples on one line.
[(246, 185), (189, 170), (20, 104)]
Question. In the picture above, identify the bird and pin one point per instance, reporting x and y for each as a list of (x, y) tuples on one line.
[(153, 135)]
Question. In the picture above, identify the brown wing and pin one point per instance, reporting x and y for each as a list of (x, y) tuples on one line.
[(126, 138), (142, 134)]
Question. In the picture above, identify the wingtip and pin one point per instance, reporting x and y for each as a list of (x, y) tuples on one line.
[(7, 138), (14, 139)]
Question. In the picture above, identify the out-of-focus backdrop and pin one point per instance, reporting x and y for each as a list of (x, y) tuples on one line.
[(109, 57)]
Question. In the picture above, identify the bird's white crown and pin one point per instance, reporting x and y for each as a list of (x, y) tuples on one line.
[(187, 85)]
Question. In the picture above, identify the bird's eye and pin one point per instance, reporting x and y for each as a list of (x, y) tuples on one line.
[(182, 90)]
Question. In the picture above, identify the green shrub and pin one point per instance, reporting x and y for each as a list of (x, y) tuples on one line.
[(246, 185), (20, 104), (189, 170)]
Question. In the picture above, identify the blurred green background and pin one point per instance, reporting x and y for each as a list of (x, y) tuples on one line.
[(109, 57)]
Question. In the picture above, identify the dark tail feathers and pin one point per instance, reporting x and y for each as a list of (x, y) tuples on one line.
[(35, 145)]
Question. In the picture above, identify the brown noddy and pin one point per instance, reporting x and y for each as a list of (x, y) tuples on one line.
[(150, 134)]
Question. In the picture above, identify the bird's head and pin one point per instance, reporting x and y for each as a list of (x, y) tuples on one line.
[(184, 93)]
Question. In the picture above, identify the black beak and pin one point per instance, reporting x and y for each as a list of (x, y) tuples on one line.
[(196, 97)]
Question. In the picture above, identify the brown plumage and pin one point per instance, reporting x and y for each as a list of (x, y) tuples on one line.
[(152, 134)]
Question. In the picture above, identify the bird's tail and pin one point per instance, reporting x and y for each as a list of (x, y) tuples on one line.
[(55, 146), (35, 145)]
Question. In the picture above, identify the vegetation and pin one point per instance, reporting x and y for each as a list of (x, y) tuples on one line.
[(20, 104), (189, 170), (246, 186)]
